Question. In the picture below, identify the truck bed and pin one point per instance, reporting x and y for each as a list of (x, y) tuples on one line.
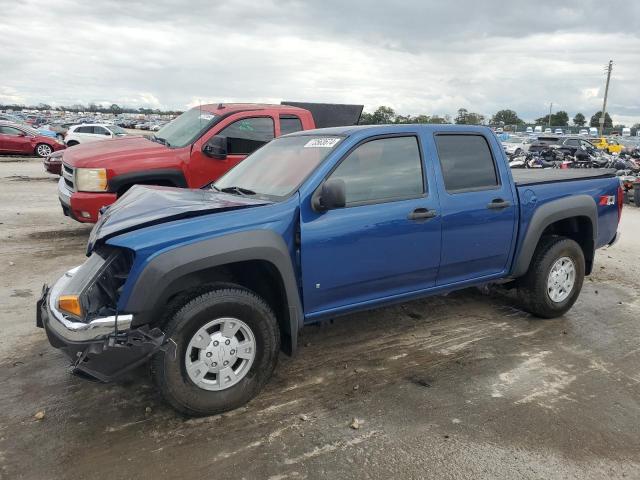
[(533, 176)]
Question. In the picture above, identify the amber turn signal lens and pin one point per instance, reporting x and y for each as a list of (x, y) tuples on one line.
[(70, 304)]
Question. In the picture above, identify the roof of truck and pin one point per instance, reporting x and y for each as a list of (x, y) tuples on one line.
[(222, 108)]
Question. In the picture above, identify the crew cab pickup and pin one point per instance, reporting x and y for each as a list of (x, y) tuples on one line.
[(193, 150), (208, 285)]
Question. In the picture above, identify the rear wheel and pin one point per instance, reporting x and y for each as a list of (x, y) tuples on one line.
[(71, 143), (554, 279), (43, 150), (227, 343)]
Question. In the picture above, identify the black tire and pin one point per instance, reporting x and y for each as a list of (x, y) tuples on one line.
[(517, 152), (40, 150), (169, 373), (532, 288), (71, 143)]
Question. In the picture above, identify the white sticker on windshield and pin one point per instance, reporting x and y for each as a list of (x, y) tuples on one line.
[(323, 142), (206, 116)]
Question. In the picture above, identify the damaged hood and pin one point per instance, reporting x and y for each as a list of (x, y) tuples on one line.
[(143, 206)]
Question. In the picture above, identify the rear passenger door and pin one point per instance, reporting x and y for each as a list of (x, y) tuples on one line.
[(477, 204)]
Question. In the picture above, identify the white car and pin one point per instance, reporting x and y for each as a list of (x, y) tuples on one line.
[(558, 131), (583, 131), (91, 132), (516, 145), (547, 130)]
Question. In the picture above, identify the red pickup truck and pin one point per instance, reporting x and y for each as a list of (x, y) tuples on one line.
[(193, 150)]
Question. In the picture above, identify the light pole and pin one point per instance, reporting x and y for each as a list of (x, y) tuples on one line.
[(550, 107), (606, 93)]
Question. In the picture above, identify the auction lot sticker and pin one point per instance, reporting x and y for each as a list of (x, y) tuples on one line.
[(323, 142)]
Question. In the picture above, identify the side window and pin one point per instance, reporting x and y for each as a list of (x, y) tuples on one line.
[(10, 131), (84, 130), (289, 124), (100, 131), (467, 163), (382, 170), (572, 142), (246, 135)]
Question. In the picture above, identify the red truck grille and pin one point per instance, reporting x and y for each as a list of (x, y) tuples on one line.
[(69, 176)]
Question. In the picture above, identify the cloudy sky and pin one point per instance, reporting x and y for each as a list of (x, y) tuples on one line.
[(424, 56)]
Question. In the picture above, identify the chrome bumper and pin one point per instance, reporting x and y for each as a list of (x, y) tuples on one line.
[(73, 331), (64, 194)]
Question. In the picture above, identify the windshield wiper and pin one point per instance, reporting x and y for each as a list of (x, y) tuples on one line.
[(242, 191), (160, 140)]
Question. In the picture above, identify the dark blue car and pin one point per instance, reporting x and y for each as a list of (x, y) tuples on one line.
[(208, 285)]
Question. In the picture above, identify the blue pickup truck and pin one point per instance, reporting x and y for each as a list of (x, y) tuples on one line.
[(207, 286)]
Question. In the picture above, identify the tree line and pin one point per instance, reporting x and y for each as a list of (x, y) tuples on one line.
[(92, 107), (506, 117)]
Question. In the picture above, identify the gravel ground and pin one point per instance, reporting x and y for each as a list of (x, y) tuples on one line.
[(458, 386)]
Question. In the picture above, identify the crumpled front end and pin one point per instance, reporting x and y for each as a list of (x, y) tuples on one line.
[(79, 314)]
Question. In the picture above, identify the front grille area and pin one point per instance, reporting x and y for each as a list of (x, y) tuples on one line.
[(69, 177), (101, 297)]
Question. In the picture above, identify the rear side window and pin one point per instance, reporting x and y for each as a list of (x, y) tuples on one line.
[(247, 135), (10, 131), (289, 124), (467, 163), (382, 170), (83, 130)]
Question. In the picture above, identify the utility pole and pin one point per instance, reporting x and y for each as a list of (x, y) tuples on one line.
[(606, 93), (550, 107)]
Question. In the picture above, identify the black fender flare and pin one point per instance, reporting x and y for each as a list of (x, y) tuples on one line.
[(551, 212), (179, 262), (174, 176)]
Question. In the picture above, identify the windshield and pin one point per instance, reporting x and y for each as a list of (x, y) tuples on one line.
[(29, 130), (186, 128), (278, 168), (117, 130)]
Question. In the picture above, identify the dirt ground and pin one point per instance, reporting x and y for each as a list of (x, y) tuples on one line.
[(458, 386)]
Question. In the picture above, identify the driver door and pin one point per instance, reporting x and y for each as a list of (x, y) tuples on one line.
[(13, 140), (244, 136), (385, 242)]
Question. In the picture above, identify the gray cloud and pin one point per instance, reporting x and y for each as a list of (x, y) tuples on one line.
[(416, 56)]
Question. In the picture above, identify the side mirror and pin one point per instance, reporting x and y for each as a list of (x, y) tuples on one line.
[(216, 147), (329, 196)]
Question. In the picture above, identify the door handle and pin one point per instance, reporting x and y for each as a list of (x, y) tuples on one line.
[(498, 203), (422, 214)]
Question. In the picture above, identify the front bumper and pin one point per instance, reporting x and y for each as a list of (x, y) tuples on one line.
[(73, 331), (102, 348), (83, 206)]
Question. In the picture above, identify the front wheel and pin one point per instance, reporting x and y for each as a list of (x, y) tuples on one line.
[(227, 342), (43, 150), (554, 279)]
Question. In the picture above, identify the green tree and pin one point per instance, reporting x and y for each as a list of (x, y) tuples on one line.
[(560, 119), (579, 120), (115, 109), (506, 117), (595, 120), (381, 116), (461, 118)]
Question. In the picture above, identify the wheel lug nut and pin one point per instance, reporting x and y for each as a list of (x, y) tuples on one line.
[(215, 364), (226, 363), (227, 342), (215, 344), (232, 352), (209, 354)]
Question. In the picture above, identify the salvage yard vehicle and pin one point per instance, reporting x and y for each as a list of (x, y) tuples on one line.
[(92, 132), (23, 139), (609, 145), (193, 150), (210, 284)]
